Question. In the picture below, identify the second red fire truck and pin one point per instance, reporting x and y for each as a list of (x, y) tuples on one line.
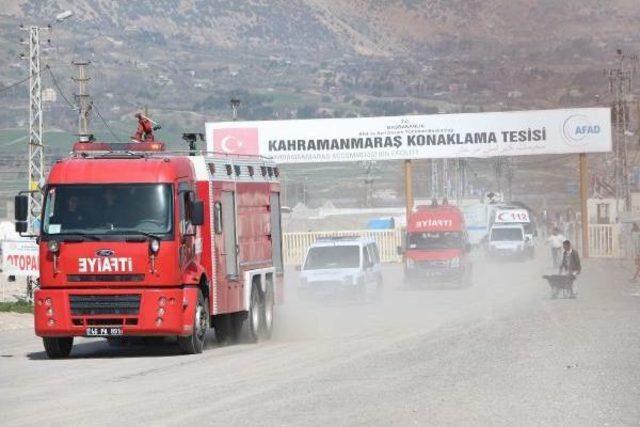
[(436, 248), (135, 241)]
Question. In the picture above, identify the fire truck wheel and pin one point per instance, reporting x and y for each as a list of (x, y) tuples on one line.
[(255, 316), (57, 348), (267, 315), (194, 344)]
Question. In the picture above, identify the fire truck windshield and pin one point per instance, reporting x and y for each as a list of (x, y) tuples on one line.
[(326, 257), (441, 240), (108, 209)]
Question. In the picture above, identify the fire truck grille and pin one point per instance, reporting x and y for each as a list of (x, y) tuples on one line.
[(82, 305), (105, 278)]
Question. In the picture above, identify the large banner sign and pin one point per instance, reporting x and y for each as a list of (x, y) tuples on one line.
[(20, 258), (579, 130)]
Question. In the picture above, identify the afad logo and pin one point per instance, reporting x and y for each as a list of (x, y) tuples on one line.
[(578, 128), (236, 141)]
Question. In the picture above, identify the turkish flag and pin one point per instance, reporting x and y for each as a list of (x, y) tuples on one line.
[(236, 141)]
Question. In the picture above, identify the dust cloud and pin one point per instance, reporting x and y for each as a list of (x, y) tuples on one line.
[(497, 285)]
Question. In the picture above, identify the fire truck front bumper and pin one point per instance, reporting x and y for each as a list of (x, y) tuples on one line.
[(109, 312)]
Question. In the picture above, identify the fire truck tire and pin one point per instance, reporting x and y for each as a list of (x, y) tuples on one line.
[(194, 343), (267, 312), (247, 324), (254, 318), (57, 348)]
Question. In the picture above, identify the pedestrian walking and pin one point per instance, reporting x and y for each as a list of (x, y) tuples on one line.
[(570, 265), (555, 242)]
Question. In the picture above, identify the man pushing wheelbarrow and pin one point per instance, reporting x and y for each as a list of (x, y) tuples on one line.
[(565, 280)]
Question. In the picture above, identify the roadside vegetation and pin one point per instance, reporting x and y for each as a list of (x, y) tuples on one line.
[(19, 306)]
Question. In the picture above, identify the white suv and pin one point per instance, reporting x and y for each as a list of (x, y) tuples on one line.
[(341, 266)]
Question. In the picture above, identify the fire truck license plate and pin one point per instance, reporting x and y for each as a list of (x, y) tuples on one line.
[(103, 332)]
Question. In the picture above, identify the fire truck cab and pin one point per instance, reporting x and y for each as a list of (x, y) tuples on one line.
[(135, 241), (436, 247)]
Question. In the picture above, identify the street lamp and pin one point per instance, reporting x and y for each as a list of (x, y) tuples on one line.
[(64, 15)]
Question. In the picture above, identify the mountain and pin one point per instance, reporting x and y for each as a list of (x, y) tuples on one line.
[(190, 55), (184, 59)]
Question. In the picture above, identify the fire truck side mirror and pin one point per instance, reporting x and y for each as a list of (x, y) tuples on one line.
[(21, 208), (21, 227), (197, 212)]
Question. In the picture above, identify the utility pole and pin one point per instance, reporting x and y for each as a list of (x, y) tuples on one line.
[(445, 178), (509, 167), (368, 181), (434, 178), (498, 163), (620, 81), (462, 179), (36, 142), (82, 99), (36, 123)]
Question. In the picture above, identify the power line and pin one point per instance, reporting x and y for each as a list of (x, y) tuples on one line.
[(95, 107), (55, 83), (13, 85)]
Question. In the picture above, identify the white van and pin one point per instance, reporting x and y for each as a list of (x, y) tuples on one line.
[(510, 240), (341, 266)]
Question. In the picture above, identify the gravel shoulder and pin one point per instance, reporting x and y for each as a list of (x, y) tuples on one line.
[(13, 321)]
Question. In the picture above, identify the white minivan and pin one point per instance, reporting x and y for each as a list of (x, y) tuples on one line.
[(336, 266), (509, 240)]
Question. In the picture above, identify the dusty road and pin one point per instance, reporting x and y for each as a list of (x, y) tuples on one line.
[(498, 353)]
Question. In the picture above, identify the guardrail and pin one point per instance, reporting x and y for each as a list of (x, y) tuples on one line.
[(604, 241), (295, 245)]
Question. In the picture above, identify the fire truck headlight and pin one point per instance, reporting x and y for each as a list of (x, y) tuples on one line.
[(162, 301), (53, 246), (154, 246)]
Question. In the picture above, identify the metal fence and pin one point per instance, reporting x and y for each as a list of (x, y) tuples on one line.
[(295, 245), (604, 241)]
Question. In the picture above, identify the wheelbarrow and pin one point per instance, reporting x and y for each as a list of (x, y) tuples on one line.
[(561, 284)]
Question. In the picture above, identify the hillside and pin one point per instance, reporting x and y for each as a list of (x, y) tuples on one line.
[(333, 56)]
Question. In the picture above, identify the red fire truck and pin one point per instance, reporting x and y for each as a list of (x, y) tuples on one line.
[(136, 241), (436, 247)]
